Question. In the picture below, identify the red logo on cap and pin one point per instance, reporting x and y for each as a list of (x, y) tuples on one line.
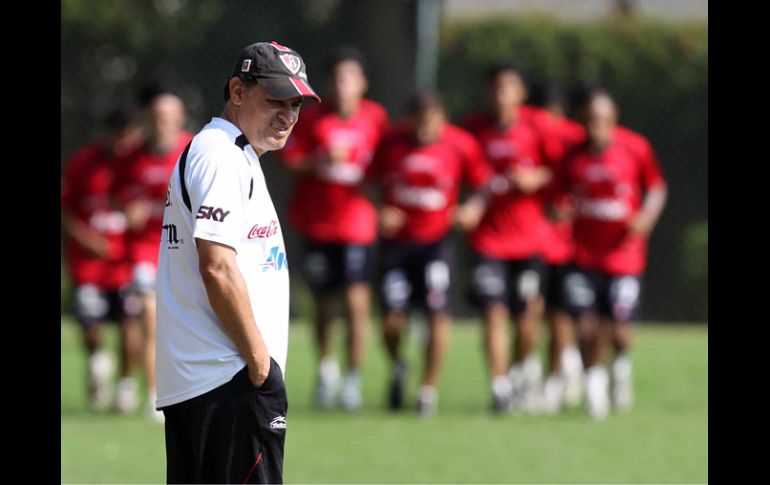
[(291, 62)]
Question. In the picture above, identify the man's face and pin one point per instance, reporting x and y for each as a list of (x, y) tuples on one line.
[(506, 90), (266, 121), (428, 125), (166, 119), (601, 118), (348, 82)]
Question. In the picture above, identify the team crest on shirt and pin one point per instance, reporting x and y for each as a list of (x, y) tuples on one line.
[(291, 62)]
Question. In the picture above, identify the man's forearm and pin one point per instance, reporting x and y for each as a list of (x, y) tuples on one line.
[(654, 201), (229, 299)]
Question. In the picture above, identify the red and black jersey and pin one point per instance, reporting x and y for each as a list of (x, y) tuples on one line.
[(608, 190), (144, 175), (424, 180), (327, 204), (86, 192), (514, 225)]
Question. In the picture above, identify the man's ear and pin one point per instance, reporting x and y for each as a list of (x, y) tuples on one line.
[(237, 88)]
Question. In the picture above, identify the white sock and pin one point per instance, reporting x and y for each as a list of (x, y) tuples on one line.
[(329, 368), (501, 386), (571, 362), (428, 393), (621, 367)]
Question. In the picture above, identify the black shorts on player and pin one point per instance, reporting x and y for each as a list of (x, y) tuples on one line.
[(94, 305), (232, 434), (331, 266), (615, 297), (512, 282), (415, 275), (553, 285)]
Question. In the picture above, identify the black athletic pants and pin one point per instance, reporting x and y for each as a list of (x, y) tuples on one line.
[(232, 434)]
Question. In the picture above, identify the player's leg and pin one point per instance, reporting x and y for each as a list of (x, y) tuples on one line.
[(395, 294), (319, 268), (144, 275), (490, 291), (435, 295), (91, 308), (358, 310), (565, 366), (624, 293), (526, 373), (582, 291)]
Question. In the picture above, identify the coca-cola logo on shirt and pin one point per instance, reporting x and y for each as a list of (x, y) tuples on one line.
[(264, 231)]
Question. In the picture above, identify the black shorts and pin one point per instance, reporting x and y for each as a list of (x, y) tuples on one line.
[(94, 305), (553, 285), (511, 282), (415, 275), (610, 296), (232, 434), (329, 266)]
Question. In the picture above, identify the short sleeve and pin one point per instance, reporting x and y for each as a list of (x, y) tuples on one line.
[(476, 169), (215, 182), (650, 172)]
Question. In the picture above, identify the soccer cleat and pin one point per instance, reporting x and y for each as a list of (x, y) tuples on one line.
[(351, 398), (622, 383), (152, 413), (100, 370), (397, 383), (572, 369), (328, 383), (597, 395), (553, 393), (127, 398), (427, 402)]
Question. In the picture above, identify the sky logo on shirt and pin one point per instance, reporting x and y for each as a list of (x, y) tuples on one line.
[(215, 213), (276, 261)]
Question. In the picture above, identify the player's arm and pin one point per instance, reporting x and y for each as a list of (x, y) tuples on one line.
[(652, 207), (477, 173), (656, 194), (84, 236), (79, 231), (229, 298)]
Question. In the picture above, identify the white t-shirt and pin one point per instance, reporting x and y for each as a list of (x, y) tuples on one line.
[(230, 205)]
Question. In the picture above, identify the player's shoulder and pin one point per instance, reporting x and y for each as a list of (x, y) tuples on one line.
[(373, 109), (215, 143), (632, 140), (458, 134)]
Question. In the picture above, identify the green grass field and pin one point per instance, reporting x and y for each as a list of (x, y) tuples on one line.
[(663, 440)]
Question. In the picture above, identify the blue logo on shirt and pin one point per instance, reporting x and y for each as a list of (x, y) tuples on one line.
[(276, 261)]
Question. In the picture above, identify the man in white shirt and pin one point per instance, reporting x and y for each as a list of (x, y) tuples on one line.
[(223, 284)]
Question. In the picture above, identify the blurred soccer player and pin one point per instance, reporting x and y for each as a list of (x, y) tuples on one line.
[(96, 253), (507, 242), (619, 195), (329, 153), (421, 165), (141, 190), (564, 382)]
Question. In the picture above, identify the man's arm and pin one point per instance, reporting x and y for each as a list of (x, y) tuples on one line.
[(229, 298), (84, 236), (646, 219)]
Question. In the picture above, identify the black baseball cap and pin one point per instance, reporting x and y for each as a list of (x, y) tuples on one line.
[(277, 68)]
